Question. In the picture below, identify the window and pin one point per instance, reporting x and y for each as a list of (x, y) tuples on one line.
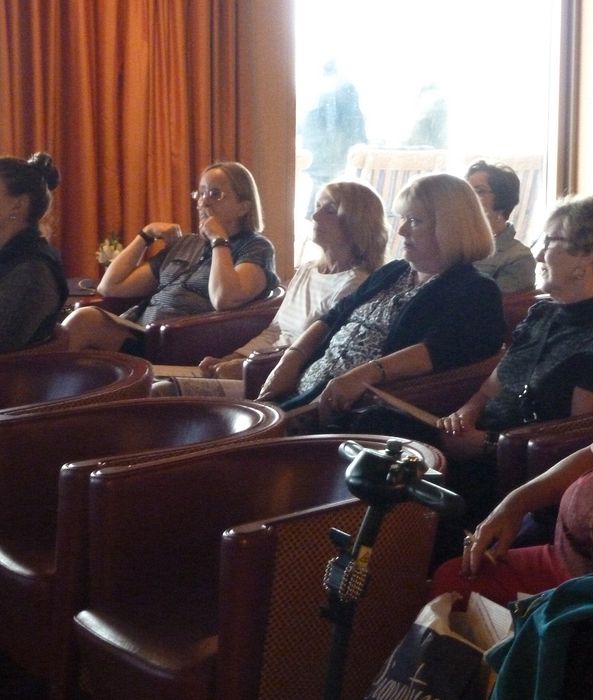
[(386, 90)]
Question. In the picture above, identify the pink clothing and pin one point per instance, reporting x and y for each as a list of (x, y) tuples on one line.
[(525, 570), (533, 569)]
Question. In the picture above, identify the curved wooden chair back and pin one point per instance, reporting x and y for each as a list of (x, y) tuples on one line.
[(45, 463), (207, 608), (49, 381)]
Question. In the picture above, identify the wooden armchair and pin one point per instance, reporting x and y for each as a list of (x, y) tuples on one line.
[(45, 463), (49, 381), (445, 388), (168, 607), (188, 339)]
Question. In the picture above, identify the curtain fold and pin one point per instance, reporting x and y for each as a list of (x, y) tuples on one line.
[(131, 97)]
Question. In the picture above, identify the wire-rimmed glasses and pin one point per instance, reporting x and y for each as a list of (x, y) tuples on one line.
[(212, 193)]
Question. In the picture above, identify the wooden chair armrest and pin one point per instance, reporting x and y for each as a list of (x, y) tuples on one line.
[(256, 369), (186, 340), (443, 392), (546, 450), (514, 467)]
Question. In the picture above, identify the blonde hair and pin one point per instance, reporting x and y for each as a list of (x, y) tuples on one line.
[(245, 187), (461, 228), (361, 217)]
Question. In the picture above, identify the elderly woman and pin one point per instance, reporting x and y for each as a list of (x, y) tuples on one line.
[(429, 312), (33, 288), (226, 265), (350, 229), (546, 373), (512, 266)]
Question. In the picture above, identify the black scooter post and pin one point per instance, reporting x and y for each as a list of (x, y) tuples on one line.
[(382, 479)]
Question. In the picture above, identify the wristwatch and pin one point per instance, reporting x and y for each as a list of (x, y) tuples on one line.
[(147, 237), (220, 241)]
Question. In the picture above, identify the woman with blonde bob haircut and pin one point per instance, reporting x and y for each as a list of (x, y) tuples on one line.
[(461, 228), (429, 312), (350, 229)]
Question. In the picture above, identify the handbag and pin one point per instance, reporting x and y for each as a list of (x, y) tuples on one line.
[(442, 655)]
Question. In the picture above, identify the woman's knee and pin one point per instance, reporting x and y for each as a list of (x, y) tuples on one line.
[(91, 328), (83, 317)]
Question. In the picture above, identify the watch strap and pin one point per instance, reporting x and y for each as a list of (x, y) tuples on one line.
[(147, 237), (220, 242)]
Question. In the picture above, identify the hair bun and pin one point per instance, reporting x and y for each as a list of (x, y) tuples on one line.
[(44, 163)]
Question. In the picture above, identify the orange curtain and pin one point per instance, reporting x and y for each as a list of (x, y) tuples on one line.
[(131, 97)]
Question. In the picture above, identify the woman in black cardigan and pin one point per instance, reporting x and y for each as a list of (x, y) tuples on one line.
[(430, 312)]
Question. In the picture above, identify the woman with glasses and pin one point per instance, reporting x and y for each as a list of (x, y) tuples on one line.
[(547, 371), (32, 284), (512, 266), (429, 312), (350, 229), (224, 266)]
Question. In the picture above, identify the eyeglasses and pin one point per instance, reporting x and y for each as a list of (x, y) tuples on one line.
[(213, 193), (552, 239)]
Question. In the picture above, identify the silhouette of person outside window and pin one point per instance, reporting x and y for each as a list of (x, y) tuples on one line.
[(430, 128), (330, 128)]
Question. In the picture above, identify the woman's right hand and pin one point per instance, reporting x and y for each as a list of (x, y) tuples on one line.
[(458, 422), (227, 367), (208, 364), (494, 535)]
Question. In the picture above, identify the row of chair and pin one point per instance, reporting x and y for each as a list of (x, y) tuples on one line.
[(114, 514), (188, 339), (45, 462), (110, 512)]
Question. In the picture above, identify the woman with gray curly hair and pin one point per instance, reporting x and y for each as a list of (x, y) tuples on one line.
[(547, 371)]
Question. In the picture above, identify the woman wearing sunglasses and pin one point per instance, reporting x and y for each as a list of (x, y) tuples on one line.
[(224, 266)]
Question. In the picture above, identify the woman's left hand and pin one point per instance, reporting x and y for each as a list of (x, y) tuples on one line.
[(462, 445), (343, 391)]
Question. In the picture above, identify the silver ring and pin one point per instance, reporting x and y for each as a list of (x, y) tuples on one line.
[(468, 540)]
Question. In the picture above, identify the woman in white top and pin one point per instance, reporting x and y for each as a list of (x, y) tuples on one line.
[(350, 228)]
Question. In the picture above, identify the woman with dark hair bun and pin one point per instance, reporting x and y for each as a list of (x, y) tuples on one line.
[(33, 288)]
